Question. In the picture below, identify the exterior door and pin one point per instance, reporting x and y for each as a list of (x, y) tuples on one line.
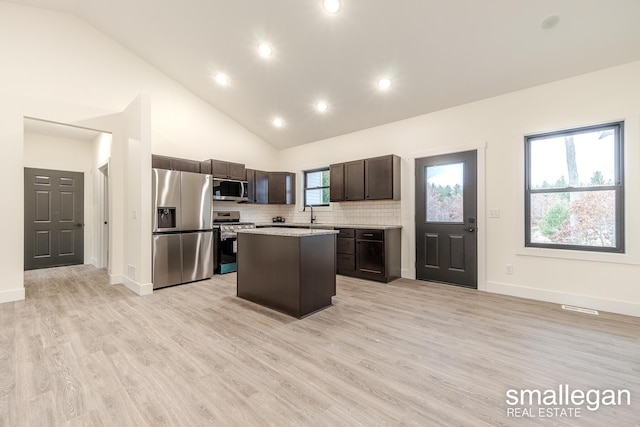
[(446, 205), (53, 218)]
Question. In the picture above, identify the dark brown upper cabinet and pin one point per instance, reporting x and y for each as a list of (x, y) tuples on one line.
[(228, 170), (174, 163), (251, 185), (354, 180), (205, 167), (258, 186), (282, 188), (376, 178), (382, 178), (336, 182)]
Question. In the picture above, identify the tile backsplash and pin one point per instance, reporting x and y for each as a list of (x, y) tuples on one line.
[(250, 213), (383, 212)]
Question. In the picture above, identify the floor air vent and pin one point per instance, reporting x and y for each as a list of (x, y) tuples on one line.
[(580, 309)]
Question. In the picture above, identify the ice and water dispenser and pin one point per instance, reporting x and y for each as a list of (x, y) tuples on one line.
[(166, 218)]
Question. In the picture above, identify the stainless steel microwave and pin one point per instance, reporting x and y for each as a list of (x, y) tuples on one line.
[(229, 189)]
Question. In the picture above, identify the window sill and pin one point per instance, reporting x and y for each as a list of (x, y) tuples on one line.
[(607, 257)]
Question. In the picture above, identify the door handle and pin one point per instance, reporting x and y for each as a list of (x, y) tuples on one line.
[(78, 225), (471, 229)]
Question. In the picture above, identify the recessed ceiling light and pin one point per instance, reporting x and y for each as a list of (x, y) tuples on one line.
[(550, 22), (384, 83), (322, 106), (278, 122), (222, 79), (331, 6), (265, 50)]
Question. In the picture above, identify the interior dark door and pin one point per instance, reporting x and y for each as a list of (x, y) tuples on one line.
[(446, 205), (53, 218)]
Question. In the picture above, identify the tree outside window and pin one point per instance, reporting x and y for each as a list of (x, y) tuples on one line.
[(574, 189)]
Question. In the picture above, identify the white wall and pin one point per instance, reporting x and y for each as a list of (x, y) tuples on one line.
[(56, 56), (58, 68), (50, 152), (602, 281), (102, 149)]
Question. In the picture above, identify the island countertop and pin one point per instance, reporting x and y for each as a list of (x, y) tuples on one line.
[(288, 232)]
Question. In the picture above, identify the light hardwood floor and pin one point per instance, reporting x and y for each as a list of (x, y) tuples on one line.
[(80, 352)]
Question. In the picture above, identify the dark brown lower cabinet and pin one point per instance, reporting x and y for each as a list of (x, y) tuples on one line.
[(345, 251), (372, 254)]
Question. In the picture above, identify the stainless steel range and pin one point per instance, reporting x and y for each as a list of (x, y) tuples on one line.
[(228, 222)]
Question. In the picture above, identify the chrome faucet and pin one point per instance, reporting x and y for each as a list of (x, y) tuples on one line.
[(313, 218)]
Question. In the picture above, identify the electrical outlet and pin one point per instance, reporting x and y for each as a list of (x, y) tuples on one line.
[(494, 213), (135, 215), (509, 269)]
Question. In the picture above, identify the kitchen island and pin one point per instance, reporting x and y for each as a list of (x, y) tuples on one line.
[(287, 269)]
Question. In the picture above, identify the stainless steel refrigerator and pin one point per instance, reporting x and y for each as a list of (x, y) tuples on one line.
[(182, 232)]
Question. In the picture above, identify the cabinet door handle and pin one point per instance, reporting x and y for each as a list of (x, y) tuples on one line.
[(368, 235)]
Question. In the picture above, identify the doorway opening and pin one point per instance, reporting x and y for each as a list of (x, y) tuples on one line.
[(54, 147)]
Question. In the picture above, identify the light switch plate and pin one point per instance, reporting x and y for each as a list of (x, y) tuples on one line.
[(494, 213)]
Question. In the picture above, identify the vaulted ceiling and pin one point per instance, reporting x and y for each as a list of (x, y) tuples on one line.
[(436, 53)]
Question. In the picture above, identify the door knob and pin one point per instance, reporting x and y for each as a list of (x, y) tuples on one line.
[(78, 225), (471, 229)]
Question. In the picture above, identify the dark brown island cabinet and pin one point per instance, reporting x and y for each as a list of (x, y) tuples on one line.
[(174, 163), (373, 254), (377, 178), (287, 269)]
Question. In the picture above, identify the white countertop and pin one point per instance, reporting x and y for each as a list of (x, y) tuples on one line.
[(288, 232)]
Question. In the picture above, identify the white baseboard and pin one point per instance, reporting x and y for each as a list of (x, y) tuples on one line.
[(408, 273), (612, 306), (12, 295), (138, 288)]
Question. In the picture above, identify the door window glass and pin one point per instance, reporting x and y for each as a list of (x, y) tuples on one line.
[(445, 193)]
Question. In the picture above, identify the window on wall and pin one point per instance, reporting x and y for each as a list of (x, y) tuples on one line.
[(316, 187), (574, 189)]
